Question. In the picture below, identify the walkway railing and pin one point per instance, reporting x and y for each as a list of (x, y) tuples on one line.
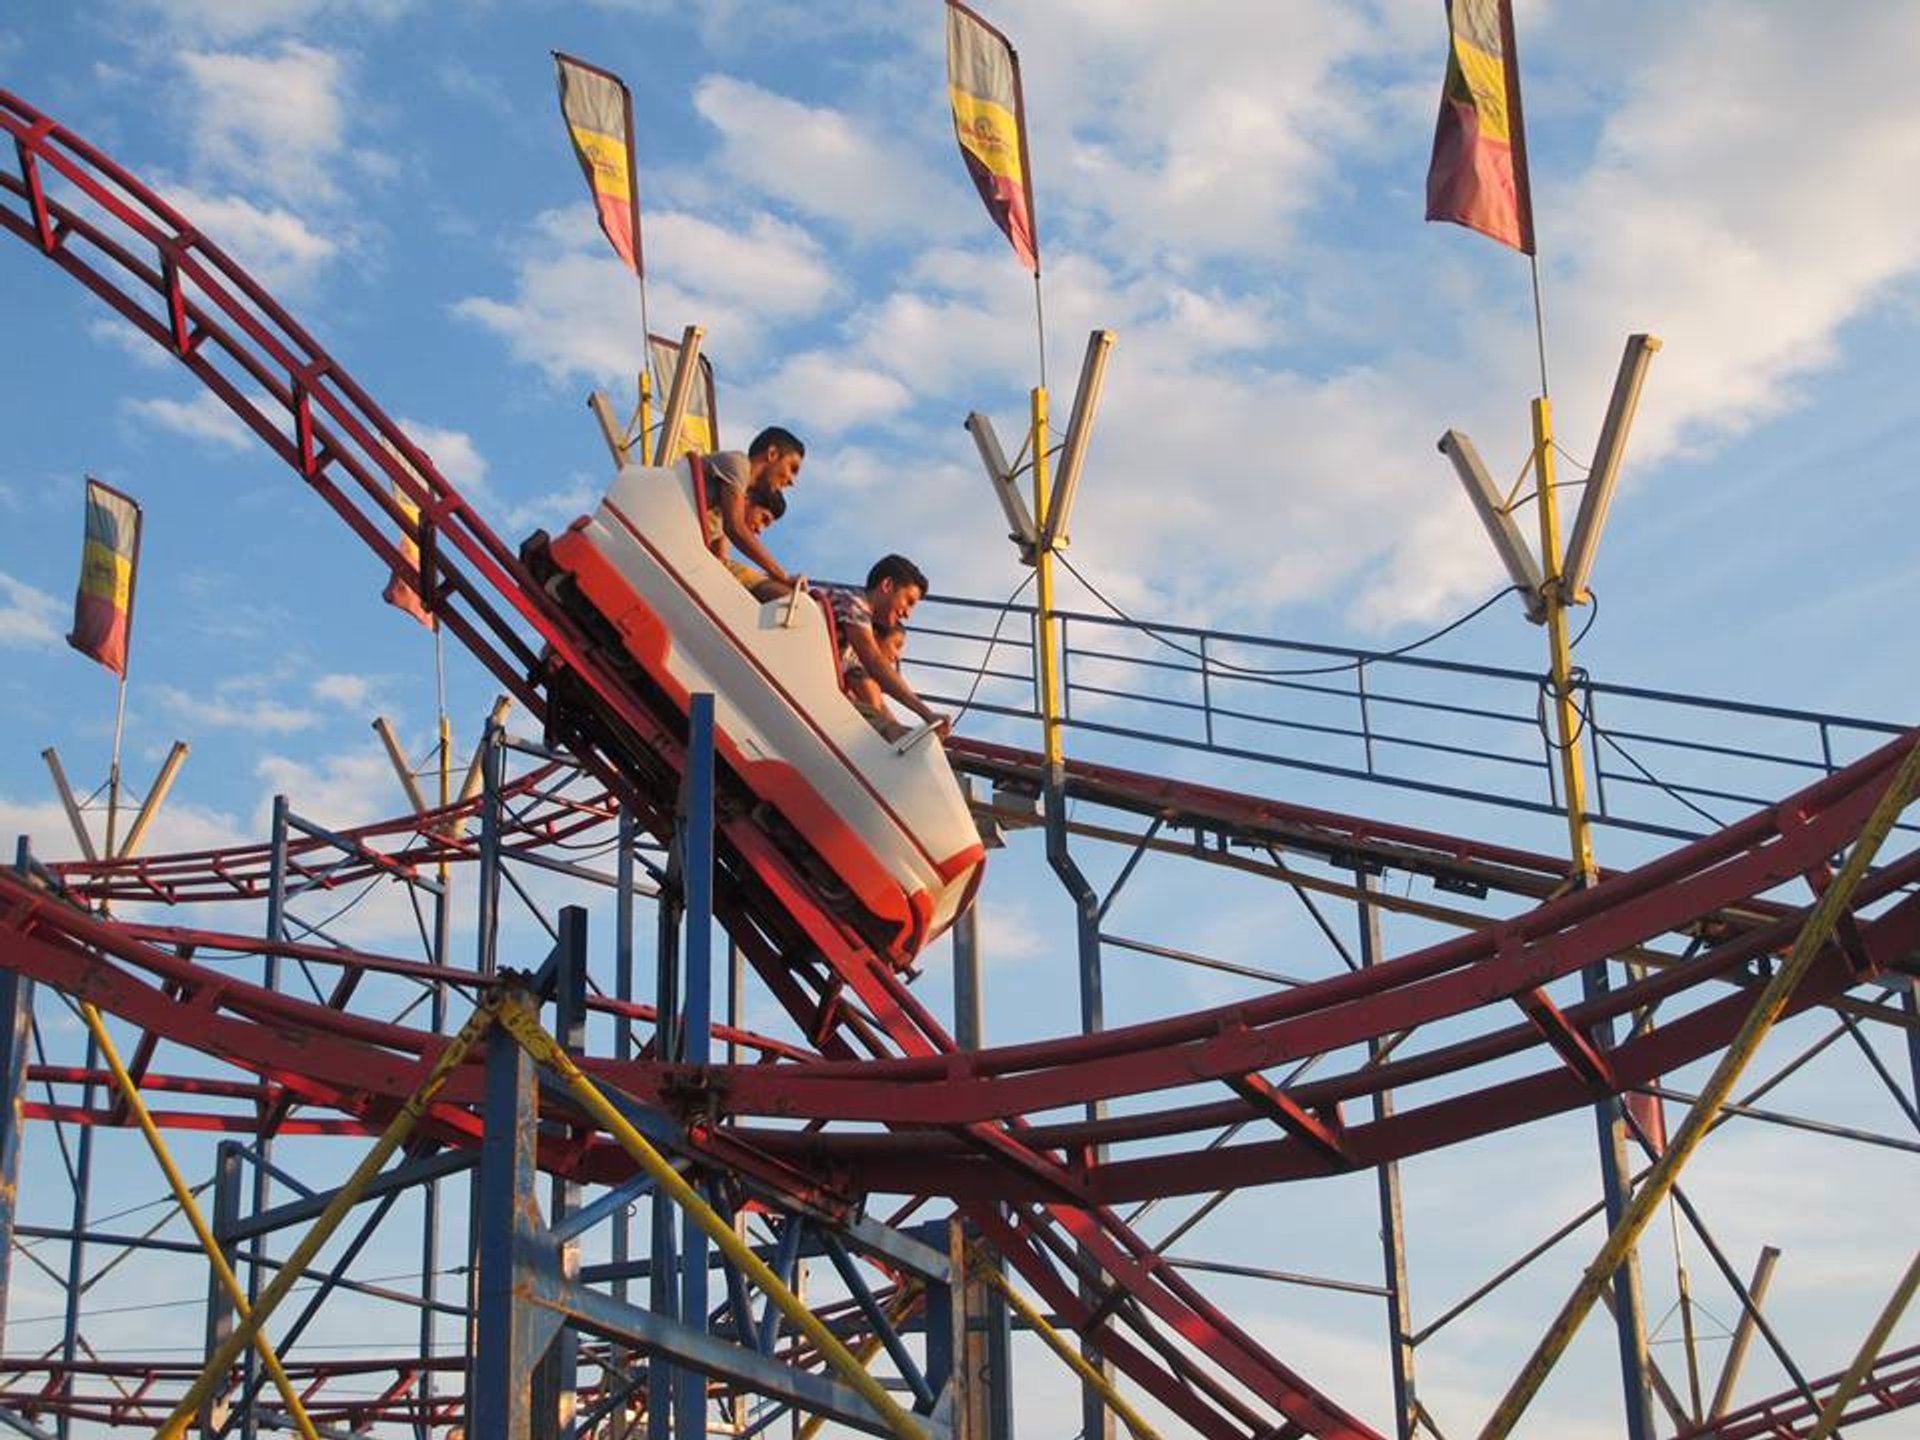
[(1664, 763)]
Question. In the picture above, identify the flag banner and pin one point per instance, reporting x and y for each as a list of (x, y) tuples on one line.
[(599, 115), (400, 592), (700, 426), (1478, 177), (109, 556), (983, 81)]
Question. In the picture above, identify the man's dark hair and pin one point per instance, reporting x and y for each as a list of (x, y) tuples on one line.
[(899, 569), (768, 499), (777, 438)]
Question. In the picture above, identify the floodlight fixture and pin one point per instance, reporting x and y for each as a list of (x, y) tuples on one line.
[(684, 371), (1073, 449), (1584, 539), (1020, 527), (1522, 568)]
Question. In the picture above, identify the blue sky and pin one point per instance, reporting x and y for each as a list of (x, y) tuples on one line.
[(1235, 188)]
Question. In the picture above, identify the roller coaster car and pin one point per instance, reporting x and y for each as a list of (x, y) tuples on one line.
[(885, 820)]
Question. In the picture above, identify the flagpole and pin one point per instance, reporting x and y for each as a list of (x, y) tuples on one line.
[(1539, 322), (1040, 325), (113, 768)]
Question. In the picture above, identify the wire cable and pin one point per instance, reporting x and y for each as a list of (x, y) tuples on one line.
[(1006, 609), (1213, 662)]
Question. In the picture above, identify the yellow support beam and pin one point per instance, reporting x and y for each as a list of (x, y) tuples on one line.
[(519, 1022), (183, 1196), (1566, 715), (1813, 937), (1050, 716), (1058, 1343), (174, 1427)]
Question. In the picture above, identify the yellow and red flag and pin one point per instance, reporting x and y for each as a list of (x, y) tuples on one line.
[(983, 81), (109, 557), (400, 592), (1479, 173), (599, 115), (700, 426)]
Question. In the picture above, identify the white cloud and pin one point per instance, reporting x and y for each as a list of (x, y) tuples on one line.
[(453, 452), (349, 692), (575, 311), (177, 826), (839, 396), (227, 21), (29, 616), (205, 417), (282, 251), (236, 706), (340, 790), (270, 121), (824, 162)]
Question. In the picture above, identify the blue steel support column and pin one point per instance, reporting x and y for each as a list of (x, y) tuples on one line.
[(623, 1047), (696, 1029), (16, 1040), (1095, 1420), (263, 1143), (986, 1360), (220, 1316), (493, 769), (430, 1198), (557, 1381), (77, 1243), (1616, 1189), (1392, 1231), (662, 1293), (505, 1355)]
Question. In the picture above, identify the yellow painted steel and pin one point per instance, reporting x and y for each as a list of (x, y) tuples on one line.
[(175, 1425), (1056, 1342), (525, 1028), (183, 1196), (1050, 718), (1813, 937), (1870, 1348), (1566, 715)]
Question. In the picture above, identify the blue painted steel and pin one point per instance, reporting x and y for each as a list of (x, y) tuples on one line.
[(696, 1028), (876, 1317), (16, 1040), (492, 769), (557, 1381), (505, 1352), (696, 1350), (615, 1203), (1616, 1190), (785, 1261), (220, 1316)]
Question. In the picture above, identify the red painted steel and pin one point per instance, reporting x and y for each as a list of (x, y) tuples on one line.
[(880, 1056)]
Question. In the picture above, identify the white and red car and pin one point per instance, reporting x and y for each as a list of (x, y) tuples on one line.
[(886, 818)]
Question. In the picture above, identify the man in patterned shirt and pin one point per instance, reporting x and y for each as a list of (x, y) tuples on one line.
[(894, 586)]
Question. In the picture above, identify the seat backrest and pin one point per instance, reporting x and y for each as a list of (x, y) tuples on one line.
[(833, 637), (699, 468)]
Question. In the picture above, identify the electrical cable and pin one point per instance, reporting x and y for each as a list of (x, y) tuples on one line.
[(1006, 609), (1215, 663)]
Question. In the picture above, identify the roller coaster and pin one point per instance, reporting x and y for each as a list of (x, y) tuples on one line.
[(942, 1181)]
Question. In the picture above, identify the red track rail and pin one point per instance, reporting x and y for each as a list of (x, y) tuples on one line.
[(148, 263)]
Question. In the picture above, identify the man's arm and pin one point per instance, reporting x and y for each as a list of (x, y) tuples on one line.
[(733, 518), (877, 663)]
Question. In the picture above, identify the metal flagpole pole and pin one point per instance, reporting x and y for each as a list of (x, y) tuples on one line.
[(1040, 325), (113, 768)]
